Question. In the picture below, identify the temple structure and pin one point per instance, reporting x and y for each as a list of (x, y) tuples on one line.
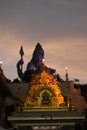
[(44, 88), (43, 97), (44, 91)]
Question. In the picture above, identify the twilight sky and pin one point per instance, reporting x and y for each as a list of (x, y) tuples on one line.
[(59, 25)]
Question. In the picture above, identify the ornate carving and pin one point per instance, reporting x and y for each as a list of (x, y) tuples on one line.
[(44, 91)]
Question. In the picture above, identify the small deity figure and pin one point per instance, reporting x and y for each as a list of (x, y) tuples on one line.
[(46, 98)]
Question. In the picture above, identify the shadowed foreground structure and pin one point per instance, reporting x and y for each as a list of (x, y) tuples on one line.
[(5, 110)]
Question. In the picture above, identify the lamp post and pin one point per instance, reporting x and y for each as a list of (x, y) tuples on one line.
[(1, 64), (66, 69), (69, 99), (66, 75), (43, 61)]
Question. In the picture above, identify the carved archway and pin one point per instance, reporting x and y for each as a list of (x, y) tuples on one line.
[(45, 96)]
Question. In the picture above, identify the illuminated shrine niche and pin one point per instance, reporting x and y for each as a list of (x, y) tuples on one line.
[(44, 91)]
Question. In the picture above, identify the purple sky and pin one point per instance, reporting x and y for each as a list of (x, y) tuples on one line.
[(59, 25)]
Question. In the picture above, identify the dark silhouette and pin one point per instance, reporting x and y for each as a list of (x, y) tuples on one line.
[(4, 93), (34, 66)]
